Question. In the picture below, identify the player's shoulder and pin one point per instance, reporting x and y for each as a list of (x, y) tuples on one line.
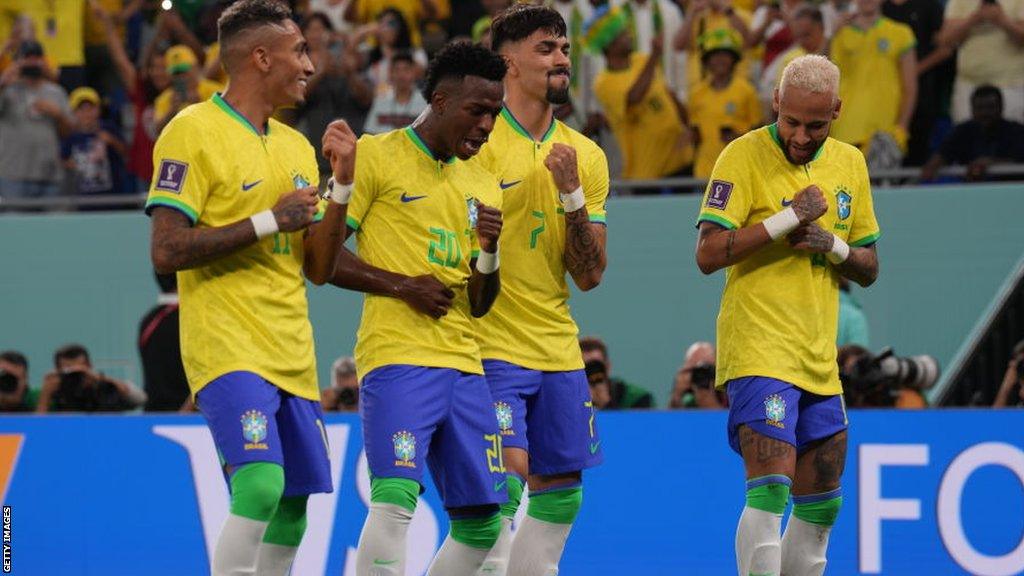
[(190, 122), (286, 132), (371, 143), (893, 27), (753, 145), (845, 154), (586, 149)]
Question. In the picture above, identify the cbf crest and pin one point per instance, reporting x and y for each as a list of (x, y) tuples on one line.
[(254, 430), (504, 413), (299, 181), (844, 201), (775, 410), (405, 449)]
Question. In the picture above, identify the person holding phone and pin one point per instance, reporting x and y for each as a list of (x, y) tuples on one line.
[(188, 86)]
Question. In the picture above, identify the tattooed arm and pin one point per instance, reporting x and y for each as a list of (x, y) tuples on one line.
[(861, 265), (177, 245), (584, 253), (719, 248)]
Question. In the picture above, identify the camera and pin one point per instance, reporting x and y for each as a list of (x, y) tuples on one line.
[(348, 396), (79, 393), (8, 382), (702, 376), (878, 379)]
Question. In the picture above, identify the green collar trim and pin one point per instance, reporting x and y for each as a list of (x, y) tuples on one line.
[(773, 129), (223, 105), (411, 133), (507, 115)]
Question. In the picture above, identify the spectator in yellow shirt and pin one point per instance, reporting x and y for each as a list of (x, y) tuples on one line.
[(187, 85), (724, 105), (878, 66), (415, 12), (645, 117), (705, 18)]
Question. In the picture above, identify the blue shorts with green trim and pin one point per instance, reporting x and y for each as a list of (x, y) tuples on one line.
[(782, 411)]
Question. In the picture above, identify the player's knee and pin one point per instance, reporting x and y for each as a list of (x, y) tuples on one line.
[(821, 509), (515, 495), (289, 522), (481, 530), (769, 493), (256, 490), (557, 505), (398, 491)]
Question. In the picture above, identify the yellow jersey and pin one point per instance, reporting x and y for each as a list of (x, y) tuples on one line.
[(414, 214), (869, 65), (780, 307), (59, 27), (246, 311), (736, 107), (530, 324), (162, 105), (650, 134)]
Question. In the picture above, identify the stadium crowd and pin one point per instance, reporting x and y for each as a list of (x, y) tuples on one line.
[(663, 85)]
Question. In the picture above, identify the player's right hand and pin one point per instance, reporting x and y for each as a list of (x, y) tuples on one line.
[(426, 294), (295, 210), (809, 204)]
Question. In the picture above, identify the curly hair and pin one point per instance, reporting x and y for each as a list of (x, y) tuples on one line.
[(522, 20), (460, 59)]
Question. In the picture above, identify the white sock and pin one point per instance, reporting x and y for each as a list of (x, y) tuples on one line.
[(537, 548), (496, 563), (457, 559), (758, 546), (275, 560), (237, 547), (803, 548), (382, 544)]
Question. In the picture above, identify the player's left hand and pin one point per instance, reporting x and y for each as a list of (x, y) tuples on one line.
[(339, 147), (561, 162), (488, 227), (811, 238)]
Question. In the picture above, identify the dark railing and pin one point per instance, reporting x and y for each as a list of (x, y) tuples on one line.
[(895, 177)]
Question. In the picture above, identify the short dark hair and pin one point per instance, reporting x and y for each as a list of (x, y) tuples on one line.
[(591, 343), (69, 351), (14, 357), (403, 56), (460, 59), (246, 14), (811, 12), (595, 367), (521, 20), (987, 90)]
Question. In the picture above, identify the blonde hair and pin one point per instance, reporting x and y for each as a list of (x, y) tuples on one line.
[(814, 73)]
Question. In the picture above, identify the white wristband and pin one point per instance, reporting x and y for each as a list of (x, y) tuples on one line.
[(487, 262), (264, 223), (840, 251), (338, 193), (781, 223), (573, 201)]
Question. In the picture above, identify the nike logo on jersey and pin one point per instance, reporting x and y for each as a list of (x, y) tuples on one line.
[(247, 187), (786, 203), (407, 198), (499, 486), (594, 446), (506, 186), (384, 562)]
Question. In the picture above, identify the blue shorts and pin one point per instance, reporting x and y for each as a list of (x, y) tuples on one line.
[(782, 411), (548, 414), (254, 421), (440, 417)]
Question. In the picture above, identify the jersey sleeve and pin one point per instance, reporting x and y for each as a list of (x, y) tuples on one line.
[(365, 189), (181, 179), (752, 110), (864, 229), (728, 196), (595, 184), (905, 40)]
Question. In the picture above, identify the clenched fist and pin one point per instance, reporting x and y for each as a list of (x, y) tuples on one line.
[(339, 147), (488, 227), (809, 204), (561, 162)]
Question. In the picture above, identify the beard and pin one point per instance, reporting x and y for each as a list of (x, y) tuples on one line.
[(557, 96)]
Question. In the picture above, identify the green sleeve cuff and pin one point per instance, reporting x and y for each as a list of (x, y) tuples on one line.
[(871, 239), (475, 253), (352, 222), (172, 203), (599, 218), (715, 219)]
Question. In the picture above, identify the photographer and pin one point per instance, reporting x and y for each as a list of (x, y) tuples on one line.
[(695, 380), (343, 395), (76, 387), (623, 394), (13, 381), (885, 380), (600, 385), (1011, 393)]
